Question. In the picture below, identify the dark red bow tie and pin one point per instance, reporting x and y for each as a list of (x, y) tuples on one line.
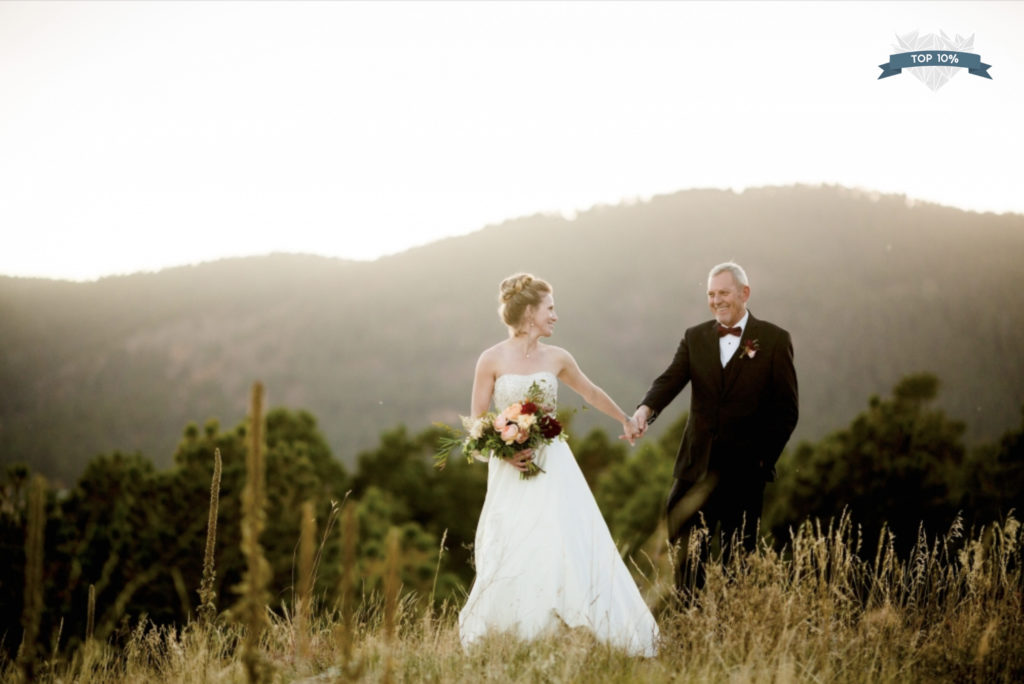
[(723, 331)]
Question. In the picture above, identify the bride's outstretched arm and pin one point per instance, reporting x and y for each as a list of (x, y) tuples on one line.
[(572, 376)]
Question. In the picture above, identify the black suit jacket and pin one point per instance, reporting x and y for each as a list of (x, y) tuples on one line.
[(741, 416)]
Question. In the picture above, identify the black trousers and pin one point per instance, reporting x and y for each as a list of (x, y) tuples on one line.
[(728, 501)]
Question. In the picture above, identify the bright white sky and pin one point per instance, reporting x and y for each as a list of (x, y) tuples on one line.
[(135, 136)]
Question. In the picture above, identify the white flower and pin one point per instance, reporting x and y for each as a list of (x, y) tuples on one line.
[(526, 421), (474, 427)]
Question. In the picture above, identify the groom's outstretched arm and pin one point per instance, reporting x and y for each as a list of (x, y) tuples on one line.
[(670, 383)]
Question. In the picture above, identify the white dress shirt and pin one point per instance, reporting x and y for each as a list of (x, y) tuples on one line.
[(727, 344)]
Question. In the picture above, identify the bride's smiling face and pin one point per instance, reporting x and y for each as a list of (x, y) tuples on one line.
[(543, 317)]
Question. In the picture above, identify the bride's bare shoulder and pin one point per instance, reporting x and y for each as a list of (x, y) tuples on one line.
[(490, 357), (562, 356)]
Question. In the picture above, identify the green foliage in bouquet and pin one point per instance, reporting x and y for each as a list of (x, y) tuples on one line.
[(527, 424)]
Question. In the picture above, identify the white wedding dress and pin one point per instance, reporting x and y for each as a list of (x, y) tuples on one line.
[(544, 554)]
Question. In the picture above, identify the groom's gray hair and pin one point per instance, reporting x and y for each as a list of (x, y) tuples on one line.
[(737, 272)]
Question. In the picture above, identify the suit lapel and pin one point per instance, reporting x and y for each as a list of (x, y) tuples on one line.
[(711, 348)]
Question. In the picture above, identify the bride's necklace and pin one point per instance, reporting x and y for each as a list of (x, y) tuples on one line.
[(527, 352), (527, 344)]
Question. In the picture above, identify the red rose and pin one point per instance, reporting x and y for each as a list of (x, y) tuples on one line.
[(529, 407), (549, 427)]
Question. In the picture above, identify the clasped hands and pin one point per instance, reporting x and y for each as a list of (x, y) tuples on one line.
[(635, 427)]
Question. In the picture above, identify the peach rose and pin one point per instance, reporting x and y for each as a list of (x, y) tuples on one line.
[(509, 433)]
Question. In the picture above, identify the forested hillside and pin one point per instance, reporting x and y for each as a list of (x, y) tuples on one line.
[(872, 288)]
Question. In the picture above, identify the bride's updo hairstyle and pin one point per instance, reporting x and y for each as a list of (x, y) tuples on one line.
[(517, 293)]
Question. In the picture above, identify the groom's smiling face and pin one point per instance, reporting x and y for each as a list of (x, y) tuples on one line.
[(727, 299)]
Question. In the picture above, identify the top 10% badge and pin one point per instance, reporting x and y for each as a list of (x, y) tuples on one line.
[(934, 59), (964, 60)]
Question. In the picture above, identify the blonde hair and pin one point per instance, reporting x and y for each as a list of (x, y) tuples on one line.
[(517, 293)]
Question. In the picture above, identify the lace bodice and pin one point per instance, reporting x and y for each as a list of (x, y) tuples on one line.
[(510, 388)]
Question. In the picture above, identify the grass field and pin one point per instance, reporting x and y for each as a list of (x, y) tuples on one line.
[(815, 612)]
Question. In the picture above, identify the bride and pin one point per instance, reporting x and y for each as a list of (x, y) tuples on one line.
[(543, 553)]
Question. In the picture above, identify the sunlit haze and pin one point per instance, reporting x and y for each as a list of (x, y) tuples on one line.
[(137, 136)]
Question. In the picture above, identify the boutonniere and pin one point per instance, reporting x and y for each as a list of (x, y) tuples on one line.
[(750, 348)]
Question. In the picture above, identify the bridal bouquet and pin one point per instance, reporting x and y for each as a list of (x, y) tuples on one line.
[(523, 425)]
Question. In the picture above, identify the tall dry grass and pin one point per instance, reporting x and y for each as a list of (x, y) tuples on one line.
[(349, 666), (32, 610), (207, 592), (90, 617), (304, 600), (251, 610), (816, 612)]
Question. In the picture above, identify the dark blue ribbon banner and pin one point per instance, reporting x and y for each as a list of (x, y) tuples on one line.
[(934, 58)]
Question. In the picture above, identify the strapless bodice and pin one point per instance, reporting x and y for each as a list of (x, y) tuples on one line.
[(512, 387)]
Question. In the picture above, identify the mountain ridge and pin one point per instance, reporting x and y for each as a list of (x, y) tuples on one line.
[(124, 362)]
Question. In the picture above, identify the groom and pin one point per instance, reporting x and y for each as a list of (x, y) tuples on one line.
[(743, 408)]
